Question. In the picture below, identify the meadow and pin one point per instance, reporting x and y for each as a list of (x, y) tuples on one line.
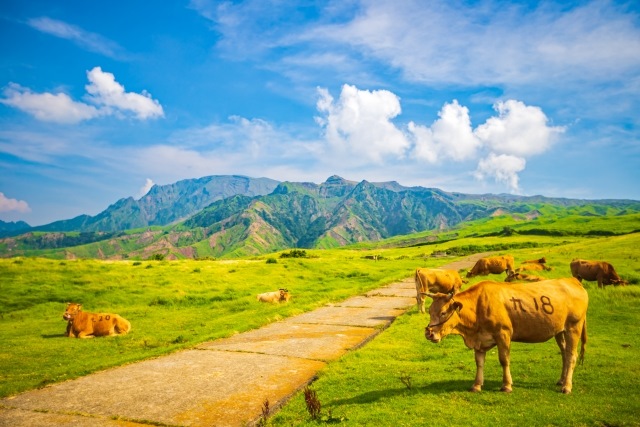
[(399, 376)]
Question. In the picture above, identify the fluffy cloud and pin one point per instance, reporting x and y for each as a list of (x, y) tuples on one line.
[(104, 92), (358, 129), (359, 124), (503, 168), (451, 136), (7, 204), (519, 130), (48, 107)]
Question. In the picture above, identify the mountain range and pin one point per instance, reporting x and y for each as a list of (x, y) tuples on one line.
[(228, 216)]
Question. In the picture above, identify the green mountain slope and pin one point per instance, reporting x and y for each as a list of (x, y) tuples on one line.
[(307, 215)]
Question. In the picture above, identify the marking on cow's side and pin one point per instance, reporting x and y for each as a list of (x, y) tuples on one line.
[(517, 303), (545, 304)]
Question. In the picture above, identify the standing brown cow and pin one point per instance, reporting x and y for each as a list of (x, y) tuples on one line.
[(492, 314), (592, 271), (435, 280)]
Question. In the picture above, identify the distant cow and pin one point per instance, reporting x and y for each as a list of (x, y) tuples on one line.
[(592, 271), (492, 314), (435, 280), (275, 296), (81, 324), (542, 260), (533, 267), (492, 265), (517, 276)]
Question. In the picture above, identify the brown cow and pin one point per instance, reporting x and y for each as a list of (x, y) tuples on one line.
[(517, 276), (275, 296), (533, 267), (435, 280), (492, 313), (492, 265), (592, 271), (88, 325), (542, 260)]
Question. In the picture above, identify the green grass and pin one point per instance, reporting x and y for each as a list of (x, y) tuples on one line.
[(171, 305)]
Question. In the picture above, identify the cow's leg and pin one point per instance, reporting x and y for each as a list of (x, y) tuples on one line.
[(573, 338), (504, 348), (421, 302), (477, 385), (563, 351)]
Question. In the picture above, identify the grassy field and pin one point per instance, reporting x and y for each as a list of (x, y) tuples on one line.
[(402, 377), (399, 376)]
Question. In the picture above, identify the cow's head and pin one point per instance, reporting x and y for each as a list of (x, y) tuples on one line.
[(284, 295), (442, 313), (72, 310), (512, 275)]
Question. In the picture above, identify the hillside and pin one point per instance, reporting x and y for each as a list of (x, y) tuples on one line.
[(164, 204), (338, 212)]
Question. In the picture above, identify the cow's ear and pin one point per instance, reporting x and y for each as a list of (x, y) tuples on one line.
[(457, 306)]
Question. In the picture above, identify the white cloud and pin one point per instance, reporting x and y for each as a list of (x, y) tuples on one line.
[(503, 168), (451, 136), (85, 39), (104, 91), (358, 125), (7, 205), (145, 188), (48, 107), (519, 130)]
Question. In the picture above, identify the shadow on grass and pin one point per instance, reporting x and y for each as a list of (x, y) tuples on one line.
[(439, 387), (50, 336)]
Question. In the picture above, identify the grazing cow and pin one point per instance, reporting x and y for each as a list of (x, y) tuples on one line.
[(435, 280), (542, 260), (275, 296), (600, 271), (517, 276), (492, 265), (492, 314), (81, 324)]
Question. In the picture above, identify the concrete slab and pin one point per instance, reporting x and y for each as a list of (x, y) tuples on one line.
[(308, 341), (379, 302), (190, 388), (350, 316), (20, 417)]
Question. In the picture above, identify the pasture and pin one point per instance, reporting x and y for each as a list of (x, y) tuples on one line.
[(399, 376)]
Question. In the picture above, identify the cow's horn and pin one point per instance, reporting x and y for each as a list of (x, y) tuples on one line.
[(429, 294)]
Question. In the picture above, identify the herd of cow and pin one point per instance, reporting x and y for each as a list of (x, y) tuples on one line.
[(490, 313), (486, 315)]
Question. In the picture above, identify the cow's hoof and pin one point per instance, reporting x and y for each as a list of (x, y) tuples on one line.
[(506, 389), (566, 390), (475, 389)]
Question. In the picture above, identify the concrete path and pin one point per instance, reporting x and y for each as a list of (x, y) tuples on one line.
[(219, 383)]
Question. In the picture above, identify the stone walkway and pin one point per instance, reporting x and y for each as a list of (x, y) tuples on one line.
[(218, 383)]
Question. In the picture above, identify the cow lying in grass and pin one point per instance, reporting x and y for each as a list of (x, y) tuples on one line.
[(276, 296), (88, 325)]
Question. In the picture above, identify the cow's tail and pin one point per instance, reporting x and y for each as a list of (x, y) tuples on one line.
[(583, 338)]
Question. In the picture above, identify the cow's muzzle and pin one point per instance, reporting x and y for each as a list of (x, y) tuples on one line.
[(431, 335)]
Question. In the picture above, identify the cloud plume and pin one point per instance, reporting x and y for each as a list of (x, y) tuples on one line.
[(105, 95)]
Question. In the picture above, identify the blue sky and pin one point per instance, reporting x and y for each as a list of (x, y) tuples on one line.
[(99, 101)]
